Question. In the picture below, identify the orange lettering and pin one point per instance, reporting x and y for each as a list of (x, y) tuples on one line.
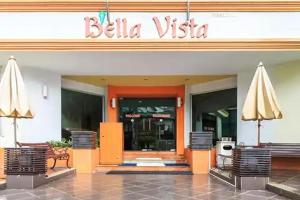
[(135, 31), (108, 30), (184, 28), (202, 31), (94, 25), (161, 33)]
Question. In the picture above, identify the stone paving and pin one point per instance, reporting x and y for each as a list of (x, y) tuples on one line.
[(136, 187)]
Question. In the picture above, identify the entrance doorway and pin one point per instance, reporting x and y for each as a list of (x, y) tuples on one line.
[(149, 123)]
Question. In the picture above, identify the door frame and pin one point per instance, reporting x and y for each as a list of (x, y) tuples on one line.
[(154, 92), (147, 122)]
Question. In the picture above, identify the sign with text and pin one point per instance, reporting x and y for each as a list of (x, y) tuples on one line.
[(149, 25), (121, 29)]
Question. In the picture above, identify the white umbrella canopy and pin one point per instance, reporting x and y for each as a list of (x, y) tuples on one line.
[(13, 98), (261, 102)]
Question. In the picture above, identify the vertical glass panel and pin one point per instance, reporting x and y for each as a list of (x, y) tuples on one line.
[(216, 112), (80, 111), (149, 123)]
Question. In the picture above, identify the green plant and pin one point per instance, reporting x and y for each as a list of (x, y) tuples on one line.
[(61, 144)]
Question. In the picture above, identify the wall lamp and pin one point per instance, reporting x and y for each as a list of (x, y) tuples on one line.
[(45, 91), (113, 103), (179, 102)]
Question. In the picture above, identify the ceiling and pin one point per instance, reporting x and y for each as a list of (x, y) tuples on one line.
[(144, 80), (148, 63), (148, 68)]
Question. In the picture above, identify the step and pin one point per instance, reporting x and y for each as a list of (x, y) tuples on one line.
[(283, 190), (152, 154), (152, 168), (106, 169), (151, 172), (167, 161)]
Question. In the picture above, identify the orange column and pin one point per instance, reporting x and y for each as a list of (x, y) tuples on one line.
[(2, 163), (180, 122), (112, 112)]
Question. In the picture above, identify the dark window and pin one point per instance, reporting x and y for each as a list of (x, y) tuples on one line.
[(216, 112), (80, 111)]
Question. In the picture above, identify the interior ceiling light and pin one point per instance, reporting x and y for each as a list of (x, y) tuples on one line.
[(212, 114), (223, 112), (232, 108)]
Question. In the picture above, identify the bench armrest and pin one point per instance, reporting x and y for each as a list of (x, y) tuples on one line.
[(59, 151)]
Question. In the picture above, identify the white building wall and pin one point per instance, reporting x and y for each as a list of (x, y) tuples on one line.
[(82, 87), (46, 124), (187, 115), (286, 81)]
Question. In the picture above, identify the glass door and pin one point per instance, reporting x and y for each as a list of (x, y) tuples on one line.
[(149, 124)]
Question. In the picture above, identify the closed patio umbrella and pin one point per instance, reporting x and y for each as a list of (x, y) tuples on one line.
[(13, 98), (261, 102)]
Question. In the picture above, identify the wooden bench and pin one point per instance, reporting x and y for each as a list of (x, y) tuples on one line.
[(283, 150), (52, 153)]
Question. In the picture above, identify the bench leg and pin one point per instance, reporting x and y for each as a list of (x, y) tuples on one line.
[(53, 163), (68, 163)]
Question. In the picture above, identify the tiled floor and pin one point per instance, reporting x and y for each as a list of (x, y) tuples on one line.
[(133, 187)]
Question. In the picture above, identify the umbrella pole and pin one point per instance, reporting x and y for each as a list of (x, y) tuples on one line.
[(15, 132), (258, 132)]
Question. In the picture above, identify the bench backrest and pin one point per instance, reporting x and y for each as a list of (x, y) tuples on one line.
[(284, 149), (46, 145)]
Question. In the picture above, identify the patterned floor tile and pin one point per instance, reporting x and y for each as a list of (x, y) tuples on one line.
[(100, 186)]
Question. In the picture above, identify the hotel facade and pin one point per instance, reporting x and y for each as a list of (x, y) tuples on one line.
[(162, 68)]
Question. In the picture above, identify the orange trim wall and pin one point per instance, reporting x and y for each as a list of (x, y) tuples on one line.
[(151, 92)]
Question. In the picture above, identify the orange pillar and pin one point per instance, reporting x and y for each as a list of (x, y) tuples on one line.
[(2, 163), (180, 122), (85, 160)]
